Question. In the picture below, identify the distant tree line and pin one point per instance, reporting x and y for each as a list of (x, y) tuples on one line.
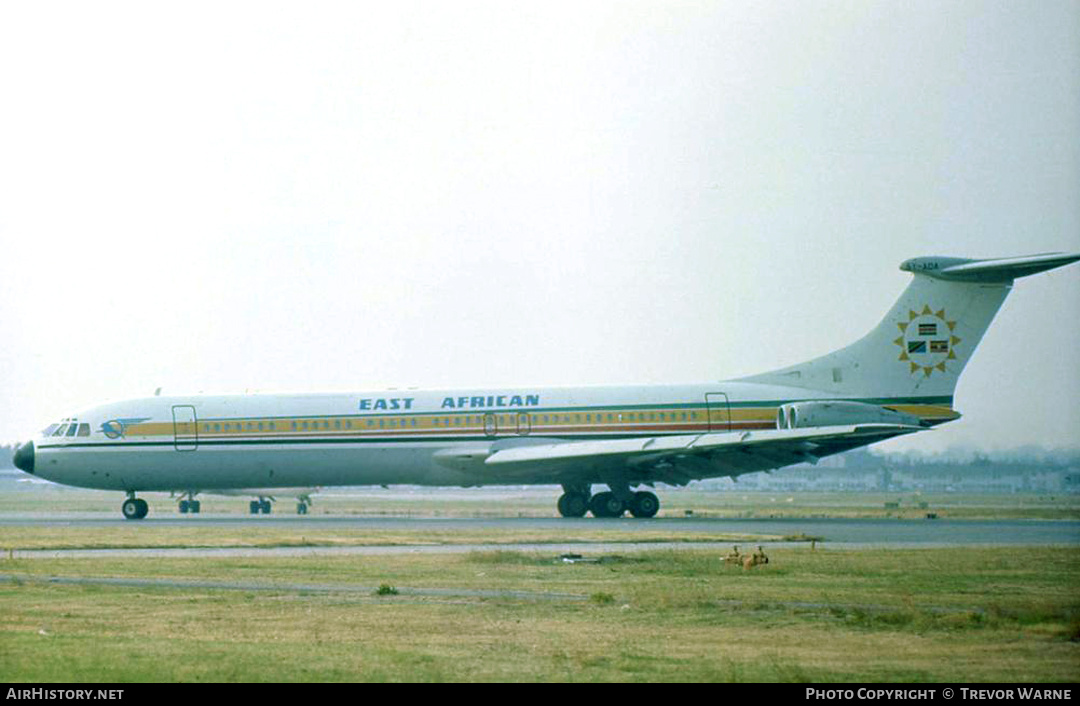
[(961, 461)]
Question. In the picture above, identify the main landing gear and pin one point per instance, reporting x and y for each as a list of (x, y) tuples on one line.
[(576, 501), (264, 505), (189, 504), (134, 508)]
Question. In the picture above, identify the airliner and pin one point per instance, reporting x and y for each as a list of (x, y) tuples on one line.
[(897, 380)]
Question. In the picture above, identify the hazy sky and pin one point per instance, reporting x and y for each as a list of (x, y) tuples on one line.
[(281, 196)]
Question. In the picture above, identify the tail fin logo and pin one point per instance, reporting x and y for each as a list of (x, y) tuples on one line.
[(927, 341)]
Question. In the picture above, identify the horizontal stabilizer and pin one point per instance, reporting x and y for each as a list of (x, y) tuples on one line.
[(1000, 270)]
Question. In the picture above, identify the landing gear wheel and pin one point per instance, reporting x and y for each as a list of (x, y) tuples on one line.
[(134, 509), (265, 506), (573, 504), (301, 508), (254, 507), (644, 504), (195, 506), (606, 504), (184, 506)]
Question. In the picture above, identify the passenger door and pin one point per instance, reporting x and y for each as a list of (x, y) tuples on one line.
[(185, 428)]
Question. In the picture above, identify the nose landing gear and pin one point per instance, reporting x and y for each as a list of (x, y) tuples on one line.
[(134, 508)]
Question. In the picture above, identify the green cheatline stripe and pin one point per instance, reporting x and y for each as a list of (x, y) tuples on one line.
[(184, 443), (353, 440)]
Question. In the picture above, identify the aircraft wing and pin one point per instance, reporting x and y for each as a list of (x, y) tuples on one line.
[(677, 460)]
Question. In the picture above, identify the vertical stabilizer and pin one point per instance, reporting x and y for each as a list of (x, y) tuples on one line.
[(922, 345)]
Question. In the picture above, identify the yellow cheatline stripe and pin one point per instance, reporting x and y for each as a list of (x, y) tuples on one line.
[(627, 419)]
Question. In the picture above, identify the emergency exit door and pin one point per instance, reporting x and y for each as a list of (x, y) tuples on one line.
[(719, 411)]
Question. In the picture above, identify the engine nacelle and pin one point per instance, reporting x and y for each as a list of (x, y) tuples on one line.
[(799, 415)]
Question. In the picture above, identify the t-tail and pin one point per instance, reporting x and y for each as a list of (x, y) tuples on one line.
[(917, 352)]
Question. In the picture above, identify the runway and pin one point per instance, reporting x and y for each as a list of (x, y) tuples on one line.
[(575, 535)]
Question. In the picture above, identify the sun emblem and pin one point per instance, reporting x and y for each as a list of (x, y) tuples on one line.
[(926, 340)]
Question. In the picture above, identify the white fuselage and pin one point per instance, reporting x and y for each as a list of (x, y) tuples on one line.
[(387, 437)]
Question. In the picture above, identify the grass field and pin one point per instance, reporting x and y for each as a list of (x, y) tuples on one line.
[(822, 616), (812, 614)]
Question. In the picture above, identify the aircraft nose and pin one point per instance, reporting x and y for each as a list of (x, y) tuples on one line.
[(24, 457)]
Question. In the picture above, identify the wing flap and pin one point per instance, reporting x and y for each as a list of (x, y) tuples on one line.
[(701, 455)]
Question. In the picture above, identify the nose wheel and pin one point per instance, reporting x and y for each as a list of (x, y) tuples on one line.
[(134, 509)]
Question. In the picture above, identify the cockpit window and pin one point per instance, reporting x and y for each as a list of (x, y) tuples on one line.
[(67, 427)]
